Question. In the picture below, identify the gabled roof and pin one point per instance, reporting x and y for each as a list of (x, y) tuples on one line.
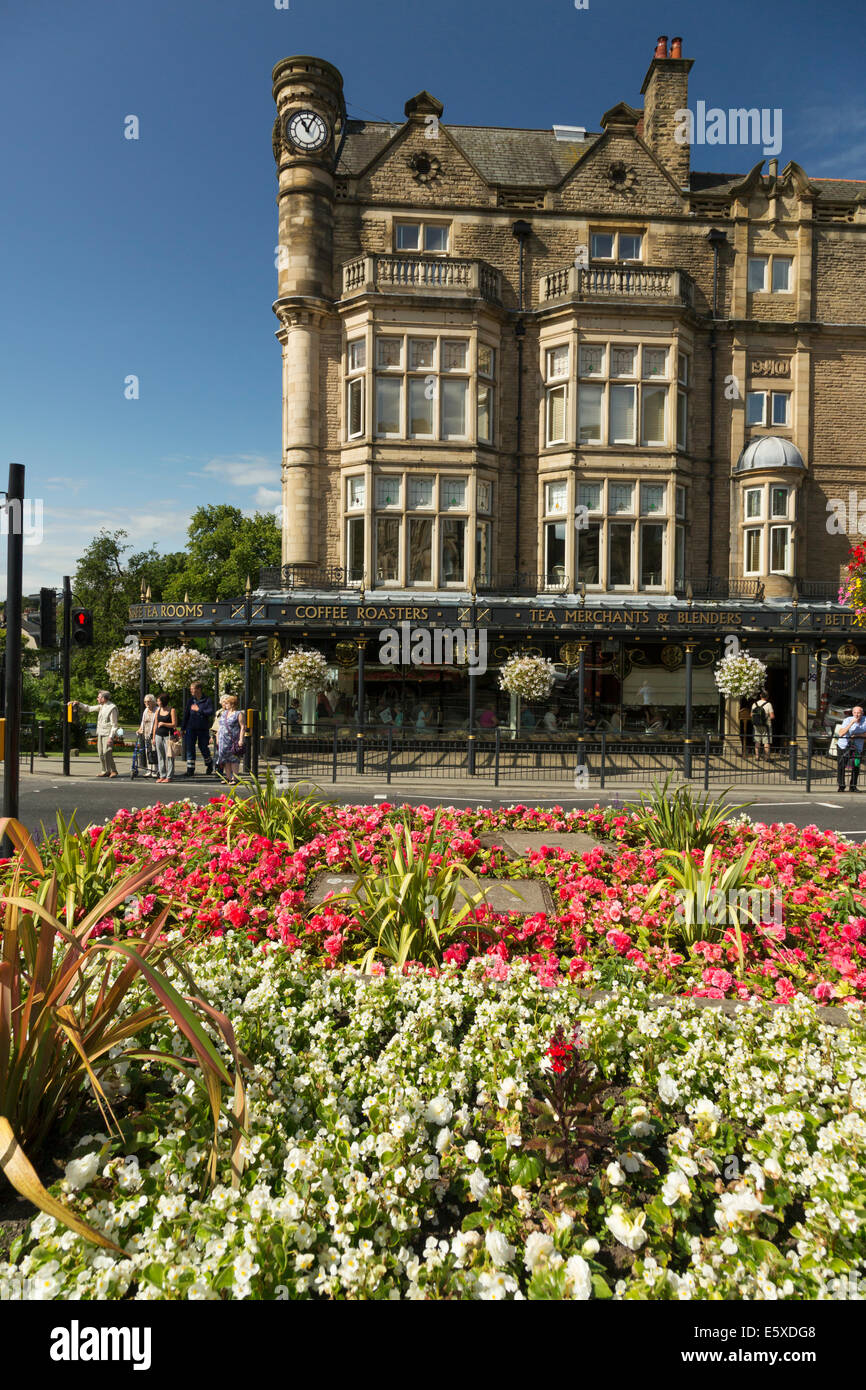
[(503, 157), (507, 158)]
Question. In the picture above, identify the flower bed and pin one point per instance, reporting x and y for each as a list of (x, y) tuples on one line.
[(601, 930), (393, 1152)]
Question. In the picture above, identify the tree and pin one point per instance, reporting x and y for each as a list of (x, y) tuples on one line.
[(225, 548), (109, 584)]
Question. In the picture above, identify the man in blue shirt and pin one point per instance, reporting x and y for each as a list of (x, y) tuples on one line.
[(849, 743), (197, 717)]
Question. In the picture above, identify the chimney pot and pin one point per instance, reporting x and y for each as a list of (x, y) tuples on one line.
[(676, 48), (661, 47)]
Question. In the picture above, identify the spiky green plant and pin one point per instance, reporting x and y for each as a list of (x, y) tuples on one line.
[(708, 900), (411, 908), (263, 806), (679, 819), (65, 1020)]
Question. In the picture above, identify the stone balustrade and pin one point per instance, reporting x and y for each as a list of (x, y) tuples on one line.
[(631, 282), (429, 274)]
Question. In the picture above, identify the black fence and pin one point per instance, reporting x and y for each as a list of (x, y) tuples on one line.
[(587, 763)]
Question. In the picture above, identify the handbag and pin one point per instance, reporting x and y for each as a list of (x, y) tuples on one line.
[(176, 747)]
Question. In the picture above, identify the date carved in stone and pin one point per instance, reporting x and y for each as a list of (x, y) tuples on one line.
[(771, 366)]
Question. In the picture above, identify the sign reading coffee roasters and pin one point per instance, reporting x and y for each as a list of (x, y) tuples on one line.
[(270, 615)]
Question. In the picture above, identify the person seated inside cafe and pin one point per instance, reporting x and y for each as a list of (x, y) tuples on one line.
[(551, 719), (527, 719), (487, 720)]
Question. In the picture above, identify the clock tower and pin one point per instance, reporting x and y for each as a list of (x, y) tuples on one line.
[(311, 115)]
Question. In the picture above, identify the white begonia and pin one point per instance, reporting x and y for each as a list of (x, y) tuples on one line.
[(669, 1091), (735, 1208), (81, 1171), (675, 1187), (578, 1277), (439, 1111), (615, 1174), (479, 1186), (627, 1227), (499, 1249), (473, 1151), (539, 1248)]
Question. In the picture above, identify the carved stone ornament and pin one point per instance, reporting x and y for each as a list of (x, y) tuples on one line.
[(425, 167), (771, 366), (621, 179)]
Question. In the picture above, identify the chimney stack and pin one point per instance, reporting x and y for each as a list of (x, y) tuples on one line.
[(666, 91)]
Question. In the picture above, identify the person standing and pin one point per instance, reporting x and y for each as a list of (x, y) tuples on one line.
[(164, 726), (146, 732), (849, 745), (230, 739), (197, 716), (106, 730), (762, 716)]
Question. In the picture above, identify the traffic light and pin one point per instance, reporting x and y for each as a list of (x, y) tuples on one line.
[(47, 618), (82, 627)]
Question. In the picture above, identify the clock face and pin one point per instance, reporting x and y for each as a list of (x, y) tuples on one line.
[(307, 130)]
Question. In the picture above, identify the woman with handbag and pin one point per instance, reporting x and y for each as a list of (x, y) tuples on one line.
[(165, 726), (145, 730), (230, 739)]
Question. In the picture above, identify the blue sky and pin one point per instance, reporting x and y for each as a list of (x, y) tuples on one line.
[(155, 257)]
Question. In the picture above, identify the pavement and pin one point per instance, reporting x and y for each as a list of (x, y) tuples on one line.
[(45, 791)]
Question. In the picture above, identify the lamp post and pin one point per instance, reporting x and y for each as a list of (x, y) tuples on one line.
[(470, 752), (14, 506), (248, 643), (687, 745)]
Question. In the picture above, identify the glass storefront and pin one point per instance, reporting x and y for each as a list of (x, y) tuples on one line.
[(635, 691)]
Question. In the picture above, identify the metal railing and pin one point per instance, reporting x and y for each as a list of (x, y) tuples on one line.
[(718, 586), (583, 763)]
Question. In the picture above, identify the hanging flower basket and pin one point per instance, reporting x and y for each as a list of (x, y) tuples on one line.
[(232, 678), (530, 677), (301, 670), (174, 668), (852, 594), (740, 676), (123, 668)]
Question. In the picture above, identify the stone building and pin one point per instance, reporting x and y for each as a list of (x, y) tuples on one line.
[(563, 384)]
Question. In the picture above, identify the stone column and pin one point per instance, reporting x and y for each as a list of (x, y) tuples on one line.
[(301, 451)]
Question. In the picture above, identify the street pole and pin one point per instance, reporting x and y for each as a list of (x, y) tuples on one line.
[(15, 554), (64, 657)]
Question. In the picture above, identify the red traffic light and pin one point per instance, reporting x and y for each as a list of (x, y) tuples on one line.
[(82, 627)]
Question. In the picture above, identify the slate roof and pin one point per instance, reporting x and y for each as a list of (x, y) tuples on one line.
[(516, 158), (534, 158)]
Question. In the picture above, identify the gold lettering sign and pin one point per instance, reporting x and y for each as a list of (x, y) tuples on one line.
[(140, 611)]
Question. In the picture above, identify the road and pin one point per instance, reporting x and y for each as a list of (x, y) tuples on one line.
[(93, 800)]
